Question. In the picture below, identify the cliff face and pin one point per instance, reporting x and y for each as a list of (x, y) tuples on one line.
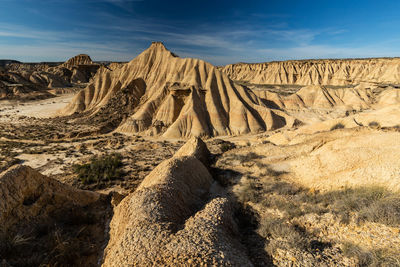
[(318, 72), (178, 97), (321, 97)]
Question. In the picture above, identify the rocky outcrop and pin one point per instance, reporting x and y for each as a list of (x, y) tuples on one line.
[(33, 79), (181, 98), (82, 67), (195, 147), (172, 219), (344, 158), (16, 85), (318, 72), (81, 59), (115, 65), (28, 196), (47, 223)]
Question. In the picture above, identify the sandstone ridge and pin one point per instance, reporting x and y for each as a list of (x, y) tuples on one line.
[(172, 219), (318, 72)]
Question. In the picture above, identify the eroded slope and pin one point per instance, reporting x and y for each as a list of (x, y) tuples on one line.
[(318, 72), (178, 98)]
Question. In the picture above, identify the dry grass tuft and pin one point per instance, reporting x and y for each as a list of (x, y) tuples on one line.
[(338, 125)]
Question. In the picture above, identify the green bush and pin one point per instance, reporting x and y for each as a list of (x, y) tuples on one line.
[(102, 168)]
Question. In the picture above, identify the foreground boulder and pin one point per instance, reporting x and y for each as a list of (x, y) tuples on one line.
[(172, 219), (26, 194), (46, 223)]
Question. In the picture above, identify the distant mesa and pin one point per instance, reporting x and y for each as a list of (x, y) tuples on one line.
[(81, 59), (176, 97), (317, 72)]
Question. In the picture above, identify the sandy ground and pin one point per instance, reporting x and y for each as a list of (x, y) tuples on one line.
[(38, 109), (27, 136)]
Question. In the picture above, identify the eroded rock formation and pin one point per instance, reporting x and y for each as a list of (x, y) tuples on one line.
[(34, 79), (172, 219), (45, 222), (320, 97), (27, 196), (318, 72), (178, 97)]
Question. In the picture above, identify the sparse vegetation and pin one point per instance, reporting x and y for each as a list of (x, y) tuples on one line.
[(268, 170), (374, 124), (338, 125), (246, 158), (278, 228), (250, 191), (67, 237), (379, 257), (364, 257), (226, 146), (9, 244), (103, 168), (373, 204)]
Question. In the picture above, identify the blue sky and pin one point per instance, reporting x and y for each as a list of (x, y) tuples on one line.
[(217, 31)]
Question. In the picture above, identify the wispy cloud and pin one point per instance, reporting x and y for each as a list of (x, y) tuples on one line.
[(109, 36), (12, 30), (238, 45), (325, 51)]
